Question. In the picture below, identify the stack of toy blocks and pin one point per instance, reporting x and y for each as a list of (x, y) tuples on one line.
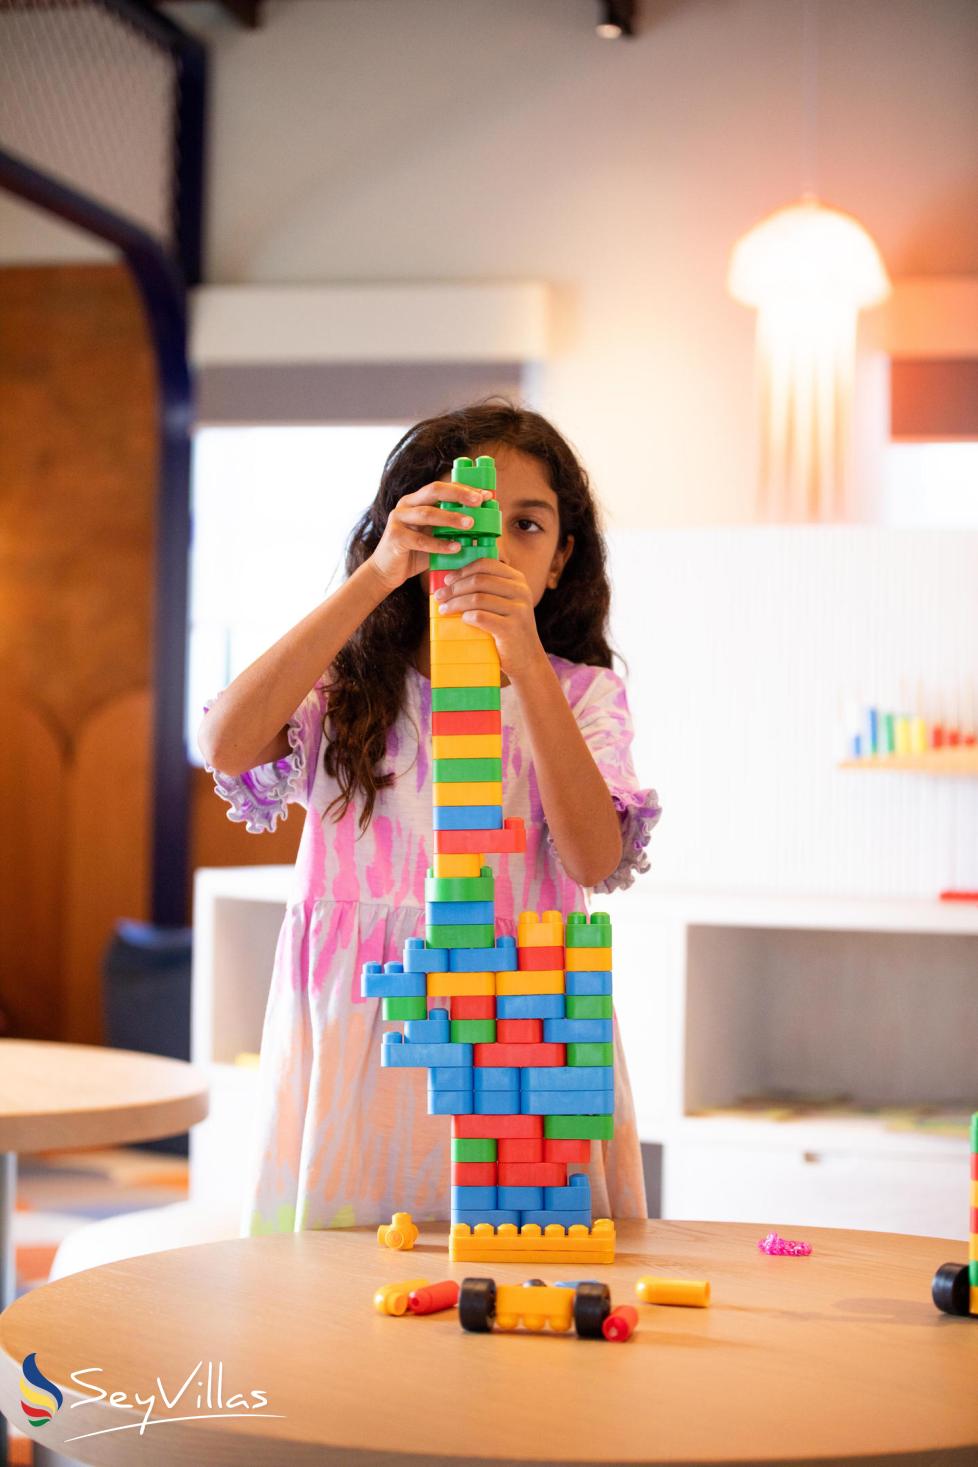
[(518, 1044)]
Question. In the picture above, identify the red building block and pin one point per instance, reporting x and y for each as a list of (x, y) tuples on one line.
[(466, 721), (510, 1127), (473, 1174), (509, 841), (474, 1006), (532, 1174), (565, 1151), (519, 1054), (519, 1031), (535, 959), (523, 1151)]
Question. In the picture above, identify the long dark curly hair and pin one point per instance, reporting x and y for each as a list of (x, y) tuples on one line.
[(366, 693)]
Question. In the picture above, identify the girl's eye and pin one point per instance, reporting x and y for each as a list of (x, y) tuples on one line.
[(522, 522)]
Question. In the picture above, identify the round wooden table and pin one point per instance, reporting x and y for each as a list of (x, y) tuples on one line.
[(68, 1095), (839, 1357)]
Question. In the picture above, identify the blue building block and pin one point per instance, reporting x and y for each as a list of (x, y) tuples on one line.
[(593, 981), (502, 1102), (575, 1197), (459, 913), (565, 1077), (396, 1051), (449, 1077), (530, 1006), (568, 1102), (498, 959), (473, 1199), (472, 1216), (467, 817), (435, 1029), (450, 1102), (492, 1077), (421, 959), (577, 1031), (522, 1198), (556, 1215), (391, 981)]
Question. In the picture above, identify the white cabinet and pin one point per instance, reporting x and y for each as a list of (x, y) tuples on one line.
[(724, 997)]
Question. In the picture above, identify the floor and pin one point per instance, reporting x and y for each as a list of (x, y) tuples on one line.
[(61, 1191)]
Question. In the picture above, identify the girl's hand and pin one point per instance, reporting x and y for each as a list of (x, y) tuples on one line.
[(497, 599), (407, 540)]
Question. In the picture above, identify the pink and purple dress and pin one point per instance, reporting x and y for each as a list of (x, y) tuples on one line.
[(340, 1140)]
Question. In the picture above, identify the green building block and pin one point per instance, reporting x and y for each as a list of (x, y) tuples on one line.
[(474, 547), (579, 932), (588, 1005), (474, 1148), (578, 1128), (590, 1054), (405, 1008), (448, 700), (459, 888), (487, 520), (473, 1031), (465, 934), (478, 475), (452, 771)]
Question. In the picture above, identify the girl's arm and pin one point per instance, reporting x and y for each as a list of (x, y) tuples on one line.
[(247, 725), (580, 811)]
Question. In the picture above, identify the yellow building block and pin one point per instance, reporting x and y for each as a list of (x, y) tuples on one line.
[(392, 1298), (470, 792), (534, 1308), (530, 982), (467, 746), (466, 675), (460, 985), (532, 1244), (457, 865), (449, 653), (584, 959), (534, 930), (453, 629), (692, 1293)]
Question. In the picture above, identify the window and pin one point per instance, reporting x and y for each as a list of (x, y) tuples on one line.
[(272, 509)]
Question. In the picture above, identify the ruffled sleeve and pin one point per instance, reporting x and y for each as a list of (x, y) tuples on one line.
[(603, 716), (260, 797)]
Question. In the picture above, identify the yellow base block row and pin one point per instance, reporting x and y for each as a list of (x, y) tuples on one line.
[(445, 653), (451, 628), (532, 1244), (470, 792), (467, 746), (466, 675), (458, 865)]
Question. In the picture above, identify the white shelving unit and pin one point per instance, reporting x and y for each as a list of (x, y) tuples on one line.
[(717, 997)]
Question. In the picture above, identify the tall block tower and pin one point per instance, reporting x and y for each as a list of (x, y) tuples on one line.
[(517, 1040)]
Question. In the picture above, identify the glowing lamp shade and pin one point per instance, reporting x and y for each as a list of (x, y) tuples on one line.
[(808, 270)]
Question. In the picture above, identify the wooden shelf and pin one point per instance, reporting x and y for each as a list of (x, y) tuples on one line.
[(960, 761)]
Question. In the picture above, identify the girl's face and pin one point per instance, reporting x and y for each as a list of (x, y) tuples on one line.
[(530, 520)]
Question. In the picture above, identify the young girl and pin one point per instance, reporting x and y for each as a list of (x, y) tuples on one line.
[(342, 1140)]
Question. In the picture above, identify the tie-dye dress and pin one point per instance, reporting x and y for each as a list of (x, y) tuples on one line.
[(340, 1140)]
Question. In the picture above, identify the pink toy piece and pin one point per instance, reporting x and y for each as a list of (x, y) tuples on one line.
[(775, 1244)]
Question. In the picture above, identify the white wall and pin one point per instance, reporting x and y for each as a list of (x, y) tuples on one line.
[(499, 139)]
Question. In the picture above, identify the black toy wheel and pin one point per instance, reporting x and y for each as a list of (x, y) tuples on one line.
[(592, 1305), (477, 1305), (951, 1288)]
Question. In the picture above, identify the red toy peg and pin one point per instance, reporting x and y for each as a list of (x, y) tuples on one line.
[(433, 1297), (620, 1323)]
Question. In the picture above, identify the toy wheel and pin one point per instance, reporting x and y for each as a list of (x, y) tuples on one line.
[(951, 1289), (477, 1305), (592, 1305)]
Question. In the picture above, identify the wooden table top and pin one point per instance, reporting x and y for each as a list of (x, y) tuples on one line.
[(54, 1095), (839, 1357)]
